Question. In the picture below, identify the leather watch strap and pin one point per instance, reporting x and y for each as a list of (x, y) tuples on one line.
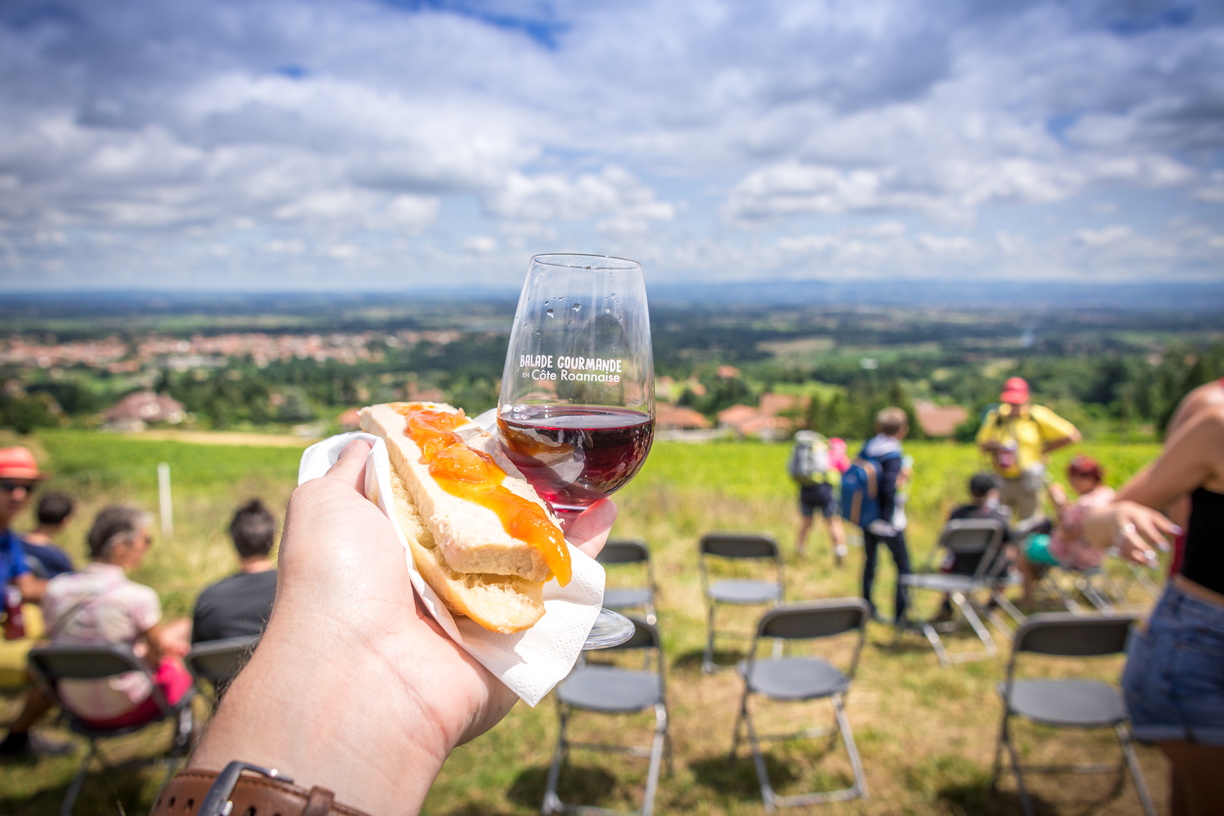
[(185, 793)]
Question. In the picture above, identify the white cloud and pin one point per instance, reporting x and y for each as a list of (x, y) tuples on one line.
[(709, 137), (1103, 237)]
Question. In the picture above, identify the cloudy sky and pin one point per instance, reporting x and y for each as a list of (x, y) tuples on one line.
[(323, 144)]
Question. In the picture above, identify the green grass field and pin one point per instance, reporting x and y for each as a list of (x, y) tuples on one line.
[(926, 733)]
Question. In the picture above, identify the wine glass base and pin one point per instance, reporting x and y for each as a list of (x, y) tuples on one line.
[(610, 629)]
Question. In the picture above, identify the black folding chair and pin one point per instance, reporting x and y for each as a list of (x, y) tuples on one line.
[(741, 569), (1067, 702), (799, 678), (964, 537), (614, 690), (632, 558), (52, 665), (216, 663)]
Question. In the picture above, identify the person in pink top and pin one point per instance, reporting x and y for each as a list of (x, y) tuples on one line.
[(1065, 545), (100, 604)]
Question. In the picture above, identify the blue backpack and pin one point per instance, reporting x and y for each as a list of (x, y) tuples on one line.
[(860, 489)]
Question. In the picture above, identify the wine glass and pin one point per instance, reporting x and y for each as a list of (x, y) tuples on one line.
[(576, 411)]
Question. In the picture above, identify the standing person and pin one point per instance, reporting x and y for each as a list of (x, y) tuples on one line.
[(1207, 394), (884, 450), (1019, 436), (812, 467), (46, 558), (239, 605), (1174, 676)]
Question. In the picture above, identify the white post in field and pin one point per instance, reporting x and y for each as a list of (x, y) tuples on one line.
[(163, 493)]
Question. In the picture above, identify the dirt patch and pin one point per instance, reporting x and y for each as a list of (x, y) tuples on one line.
[(224, 438)]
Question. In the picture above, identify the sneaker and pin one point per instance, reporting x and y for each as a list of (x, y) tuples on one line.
[(839, 554)]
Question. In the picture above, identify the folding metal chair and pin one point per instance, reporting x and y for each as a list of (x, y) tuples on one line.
[(743, 569), (799, 678), (1105, 592), (54, 664), (1067, 702), (964, 537), (217, 662), (634, 555), (611, 689)]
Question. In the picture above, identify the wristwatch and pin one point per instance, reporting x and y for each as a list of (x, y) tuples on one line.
[(244, 788)]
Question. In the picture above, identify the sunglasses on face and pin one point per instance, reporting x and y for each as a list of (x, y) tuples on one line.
[(9, 486)]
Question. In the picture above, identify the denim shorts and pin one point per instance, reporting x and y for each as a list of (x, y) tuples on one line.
[(1174, 677)]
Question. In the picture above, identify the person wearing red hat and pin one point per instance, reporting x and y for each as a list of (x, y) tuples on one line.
[(19, 476), (1019, 436)]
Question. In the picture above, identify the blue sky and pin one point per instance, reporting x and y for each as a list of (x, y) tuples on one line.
[(315, 145)]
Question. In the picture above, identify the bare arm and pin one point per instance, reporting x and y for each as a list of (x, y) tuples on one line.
[(1192, 457), (354, 687), (32, 587), (1063, 442), (153, 642)]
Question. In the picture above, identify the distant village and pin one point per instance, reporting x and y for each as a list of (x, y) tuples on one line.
[(772, 418)]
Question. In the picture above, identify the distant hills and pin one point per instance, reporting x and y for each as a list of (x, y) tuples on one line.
[(1205, 296)]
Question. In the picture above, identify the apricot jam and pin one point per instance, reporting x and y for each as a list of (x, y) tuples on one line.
[(473, 475)]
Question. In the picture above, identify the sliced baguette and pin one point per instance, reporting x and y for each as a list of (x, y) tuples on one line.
[(471, 538), (460, 548), (500, 603)]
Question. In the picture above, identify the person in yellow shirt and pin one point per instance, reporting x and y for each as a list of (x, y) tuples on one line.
[(1019, 436)]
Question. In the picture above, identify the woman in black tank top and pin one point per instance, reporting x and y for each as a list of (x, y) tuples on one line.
[(1174, 677)]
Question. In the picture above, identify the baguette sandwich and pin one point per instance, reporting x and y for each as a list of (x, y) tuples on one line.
[(480, 535)]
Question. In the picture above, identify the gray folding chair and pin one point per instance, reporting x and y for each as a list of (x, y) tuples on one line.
[(1067, 702), (803, 677), (54, 664), (614, 690), (217, 662), (741, 569), (634, 557), (964, 537), (1104, 589)]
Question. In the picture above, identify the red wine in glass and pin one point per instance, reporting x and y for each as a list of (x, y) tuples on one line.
[(576, 409), (575, 455)]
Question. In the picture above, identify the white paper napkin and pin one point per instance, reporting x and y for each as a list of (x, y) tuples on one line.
[(530, 663)]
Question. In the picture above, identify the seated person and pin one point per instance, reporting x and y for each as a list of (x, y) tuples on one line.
[(100, 604), (241, 604), (1063, 544), (45, 557), (22, 590), (983, 504)]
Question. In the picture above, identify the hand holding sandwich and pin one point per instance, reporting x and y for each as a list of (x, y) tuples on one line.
[(354, 687)]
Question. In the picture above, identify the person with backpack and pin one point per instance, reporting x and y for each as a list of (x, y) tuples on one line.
[(1018, 436), (813, 466), (869, 499)]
